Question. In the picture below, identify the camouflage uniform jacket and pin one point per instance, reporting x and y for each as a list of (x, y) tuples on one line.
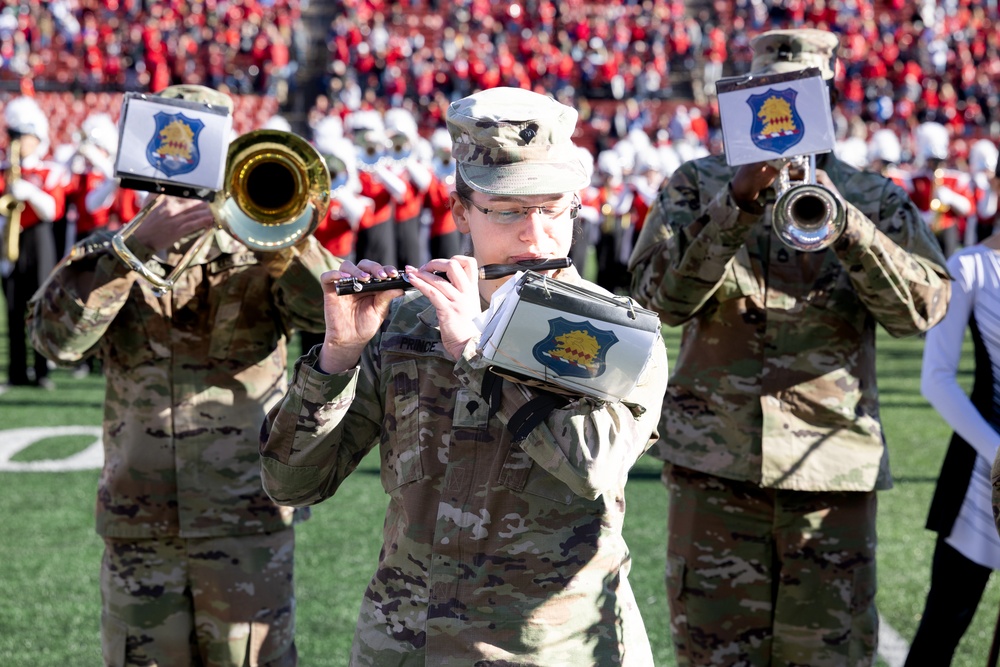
[(493, 549), (775, 379), (189, 377)]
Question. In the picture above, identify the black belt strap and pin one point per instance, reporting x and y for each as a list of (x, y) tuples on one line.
[(492, 390), (534, 412)]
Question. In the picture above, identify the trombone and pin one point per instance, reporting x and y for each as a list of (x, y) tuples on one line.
[(275, 192), (807, 217), (10, 207)]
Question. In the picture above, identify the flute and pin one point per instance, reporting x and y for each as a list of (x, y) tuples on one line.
[(351, 286)]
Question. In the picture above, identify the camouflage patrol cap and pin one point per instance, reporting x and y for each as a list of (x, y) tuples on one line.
[(779, 51), (196, 93), (512, 142)]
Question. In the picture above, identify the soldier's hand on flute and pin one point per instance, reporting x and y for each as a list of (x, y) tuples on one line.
[(452, 286), (351, 321)]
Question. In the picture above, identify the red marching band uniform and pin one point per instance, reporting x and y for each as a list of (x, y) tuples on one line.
[(445, 239), (944, 197), (47, 177)]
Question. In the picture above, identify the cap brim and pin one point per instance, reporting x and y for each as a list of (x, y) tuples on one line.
[(526, 178)]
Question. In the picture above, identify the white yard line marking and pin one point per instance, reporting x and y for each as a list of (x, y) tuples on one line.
[(892, 648)]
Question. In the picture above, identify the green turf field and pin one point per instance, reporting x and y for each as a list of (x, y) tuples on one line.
[(49, 601)]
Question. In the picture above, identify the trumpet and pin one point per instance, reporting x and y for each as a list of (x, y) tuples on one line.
[(276, 190), (10, 207), (807, 216)]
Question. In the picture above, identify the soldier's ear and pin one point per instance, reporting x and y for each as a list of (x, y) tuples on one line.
[(460, 212)]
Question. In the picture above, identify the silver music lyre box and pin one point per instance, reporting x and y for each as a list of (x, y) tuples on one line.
[(561, 334)]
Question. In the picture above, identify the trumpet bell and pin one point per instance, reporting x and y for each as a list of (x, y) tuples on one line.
[(808, 218), (276, 190)]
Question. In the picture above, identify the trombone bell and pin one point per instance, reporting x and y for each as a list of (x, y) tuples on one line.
[(277, 190)]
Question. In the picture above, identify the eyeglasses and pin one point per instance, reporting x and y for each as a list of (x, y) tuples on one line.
[(515, 214)]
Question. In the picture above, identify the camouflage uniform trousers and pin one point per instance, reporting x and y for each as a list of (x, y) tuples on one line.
[(759, 576), (206, 602)]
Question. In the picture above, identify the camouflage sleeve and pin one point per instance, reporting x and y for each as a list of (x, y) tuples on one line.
[(72, 310), (297, 290), (899, 274), (589, 445), (312, 440), (686, 245)]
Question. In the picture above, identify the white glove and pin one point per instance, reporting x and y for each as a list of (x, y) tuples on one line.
[(393, 183), (353, 207), (101, 163), (954, 201), (420, 175), (22, 190), (102, 196), (38, 199)]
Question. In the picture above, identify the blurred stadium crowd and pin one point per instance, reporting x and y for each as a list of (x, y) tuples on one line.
[(919, 89)]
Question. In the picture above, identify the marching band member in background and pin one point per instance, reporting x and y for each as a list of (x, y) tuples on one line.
[(92, 191), (852, 150), (376, 235), (614, 204), (885, 154), (942, 194), (503, 545), (647, 177), (587, 227), (403, 161), (198, 562), (348, 207), (445, 239), (37, 199), (982, 169), (65, 159), (93, 167)]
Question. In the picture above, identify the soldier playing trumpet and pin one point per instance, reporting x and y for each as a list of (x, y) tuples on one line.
[(770, 432)]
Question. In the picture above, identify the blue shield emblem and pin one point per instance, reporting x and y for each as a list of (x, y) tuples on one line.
[(574, 349), (777, 125), (174, 146)]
